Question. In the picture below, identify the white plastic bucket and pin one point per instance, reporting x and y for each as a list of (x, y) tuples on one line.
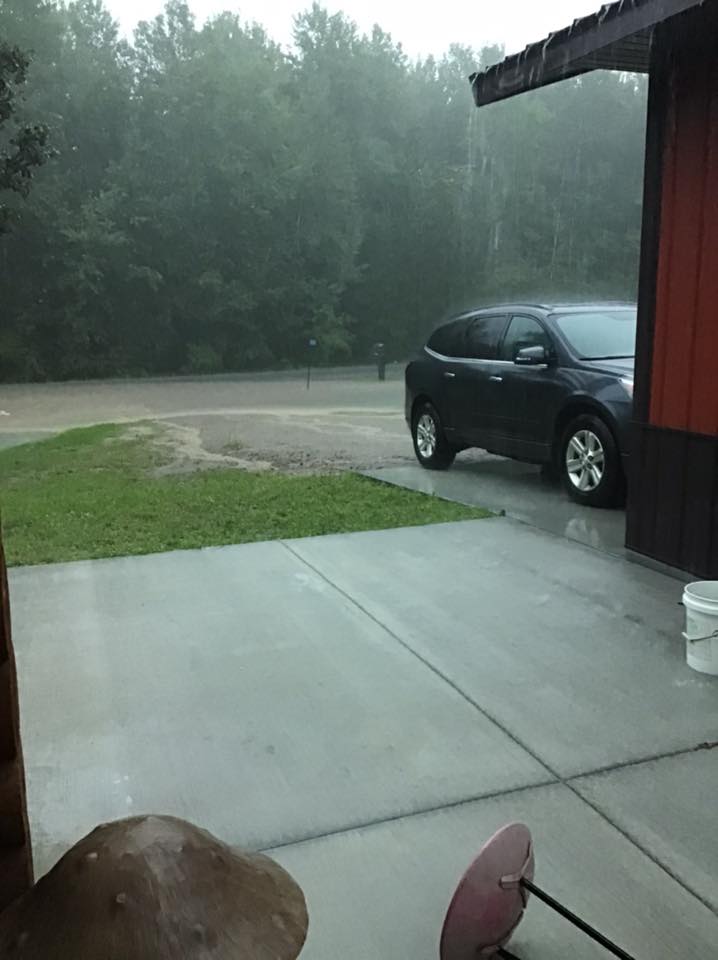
[(701, 634)]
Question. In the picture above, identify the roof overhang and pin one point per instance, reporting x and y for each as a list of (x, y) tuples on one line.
[(617, 37)]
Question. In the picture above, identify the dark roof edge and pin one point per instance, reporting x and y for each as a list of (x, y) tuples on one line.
[(616, 37)]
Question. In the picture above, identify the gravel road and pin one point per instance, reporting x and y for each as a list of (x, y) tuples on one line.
[(346, 420)]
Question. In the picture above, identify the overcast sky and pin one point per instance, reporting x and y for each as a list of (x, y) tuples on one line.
[(421, 28)]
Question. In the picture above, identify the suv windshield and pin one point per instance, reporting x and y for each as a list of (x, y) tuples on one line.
[(600, 334)]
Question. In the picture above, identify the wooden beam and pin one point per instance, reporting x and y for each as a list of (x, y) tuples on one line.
[(16, 876)]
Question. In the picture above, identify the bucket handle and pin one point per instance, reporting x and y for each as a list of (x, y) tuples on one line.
[(711, 636)]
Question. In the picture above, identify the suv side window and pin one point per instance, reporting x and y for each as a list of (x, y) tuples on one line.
[(449, 339), (482, 337), (523, 332)]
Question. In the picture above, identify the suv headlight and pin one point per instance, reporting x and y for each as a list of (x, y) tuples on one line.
[(627, 384)]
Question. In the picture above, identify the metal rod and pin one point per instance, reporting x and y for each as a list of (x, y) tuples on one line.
[(576, 921)]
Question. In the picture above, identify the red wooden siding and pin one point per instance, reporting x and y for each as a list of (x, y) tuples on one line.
[(672, 510), (684, 382)]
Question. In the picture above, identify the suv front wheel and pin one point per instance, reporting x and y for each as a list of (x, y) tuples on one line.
[(590, 463), (431, 447)]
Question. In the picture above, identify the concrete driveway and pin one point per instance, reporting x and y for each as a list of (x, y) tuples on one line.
[(371, 707)]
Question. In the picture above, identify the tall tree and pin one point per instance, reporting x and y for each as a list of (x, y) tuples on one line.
[(23, 147)]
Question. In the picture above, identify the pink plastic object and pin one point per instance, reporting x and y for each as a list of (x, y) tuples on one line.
[(489, 901)]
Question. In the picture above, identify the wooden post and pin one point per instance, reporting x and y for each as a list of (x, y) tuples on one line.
[(15, 851)]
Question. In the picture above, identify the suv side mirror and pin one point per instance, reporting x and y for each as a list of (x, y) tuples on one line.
[(531, 356)]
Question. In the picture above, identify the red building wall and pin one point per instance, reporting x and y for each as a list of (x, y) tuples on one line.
[(684, 381), (672, 511)]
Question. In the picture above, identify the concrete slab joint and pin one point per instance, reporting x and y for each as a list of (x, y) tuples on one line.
[(371, 707)]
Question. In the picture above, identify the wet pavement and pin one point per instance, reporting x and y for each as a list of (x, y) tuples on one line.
[(31, 407), (371, 707), (520, 490)]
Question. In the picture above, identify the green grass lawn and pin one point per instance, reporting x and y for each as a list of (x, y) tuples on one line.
[(93, 493)]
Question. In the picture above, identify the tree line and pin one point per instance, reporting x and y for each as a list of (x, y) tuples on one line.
[(213, 201)]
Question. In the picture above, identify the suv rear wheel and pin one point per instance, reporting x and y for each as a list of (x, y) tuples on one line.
[(431, 447), (590, 463)]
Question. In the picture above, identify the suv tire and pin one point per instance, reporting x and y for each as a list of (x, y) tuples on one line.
[(590, 463), (431, 447)]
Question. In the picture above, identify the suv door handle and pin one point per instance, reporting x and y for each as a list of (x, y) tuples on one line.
[(449, 375), (497, 379)]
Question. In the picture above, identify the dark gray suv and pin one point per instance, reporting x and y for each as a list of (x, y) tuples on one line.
[(548, 384)]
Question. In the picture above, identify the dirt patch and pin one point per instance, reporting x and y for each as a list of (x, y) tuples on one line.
[(135, 431), (288, 441), (183, 452)]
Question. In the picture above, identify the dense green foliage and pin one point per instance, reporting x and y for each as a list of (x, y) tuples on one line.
[(94, 493), (23, 148), (216, 201)]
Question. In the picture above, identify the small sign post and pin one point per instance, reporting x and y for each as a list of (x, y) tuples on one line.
[(312, 344), (380, 357)]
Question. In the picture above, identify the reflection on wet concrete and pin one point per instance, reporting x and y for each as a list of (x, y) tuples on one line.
[(519, 490)]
